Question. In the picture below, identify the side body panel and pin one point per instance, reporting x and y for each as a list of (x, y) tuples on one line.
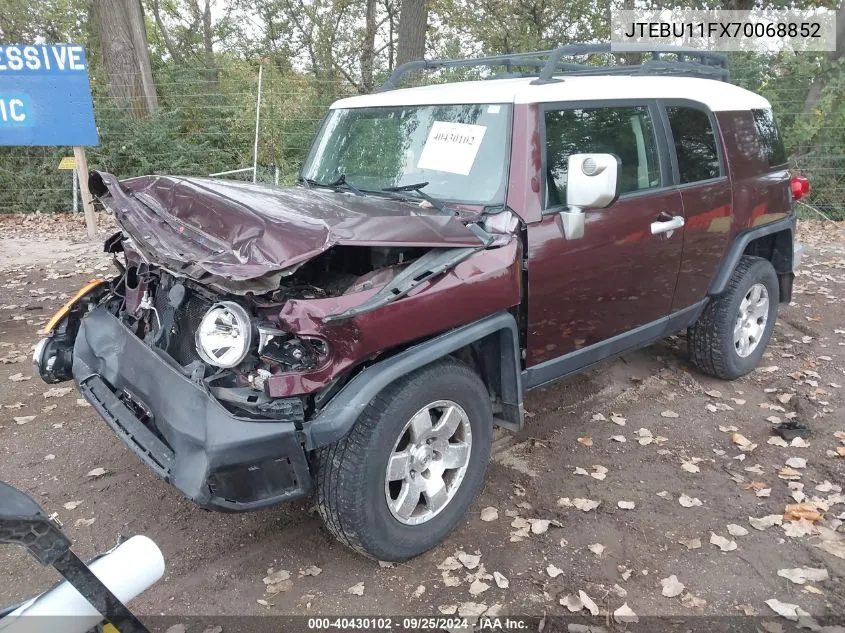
[(487, 282), (753, 194)]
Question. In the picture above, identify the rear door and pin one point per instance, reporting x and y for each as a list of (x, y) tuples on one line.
[(699, 168), (619, 276)]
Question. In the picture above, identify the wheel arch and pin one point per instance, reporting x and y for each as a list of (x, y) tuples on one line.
[(490, 346), (772, 242)]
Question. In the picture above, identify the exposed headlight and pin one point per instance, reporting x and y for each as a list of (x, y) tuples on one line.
[(224, 335)]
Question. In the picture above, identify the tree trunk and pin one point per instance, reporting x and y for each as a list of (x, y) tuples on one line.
[(413, 17), (211, 71), (368, 48), (126, 57)]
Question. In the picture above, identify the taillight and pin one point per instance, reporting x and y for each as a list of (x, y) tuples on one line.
[(800, 187)]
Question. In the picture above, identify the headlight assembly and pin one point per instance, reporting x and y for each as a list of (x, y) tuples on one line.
[(224, 335)]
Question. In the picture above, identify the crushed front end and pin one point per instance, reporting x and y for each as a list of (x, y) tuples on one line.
[(216, 382)]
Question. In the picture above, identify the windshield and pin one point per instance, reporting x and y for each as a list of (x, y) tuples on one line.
[(459, 150)]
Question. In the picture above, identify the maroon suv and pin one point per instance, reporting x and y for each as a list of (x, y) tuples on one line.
[(447, 248)]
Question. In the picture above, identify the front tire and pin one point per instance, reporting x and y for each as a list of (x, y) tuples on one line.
[(730, 336), (406, 473)]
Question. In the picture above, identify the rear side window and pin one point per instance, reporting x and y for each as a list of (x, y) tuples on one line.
[(695, 144), (771, 144), (625, 132)]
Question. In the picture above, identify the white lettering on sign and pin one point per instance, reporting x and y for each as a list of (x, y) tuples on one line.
[(451, 147), (12, 110), (59, 57)]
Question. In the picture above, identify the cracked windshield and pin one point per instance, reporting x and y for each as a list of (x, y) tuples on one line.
[(459, 150)]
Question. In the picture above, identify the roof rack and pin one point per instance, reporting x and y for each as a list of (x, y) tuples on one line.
[(546, 66)]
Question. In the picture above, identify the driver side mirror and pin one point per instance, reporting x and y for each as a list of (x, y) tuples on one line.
[(590, 184), (23, 522)]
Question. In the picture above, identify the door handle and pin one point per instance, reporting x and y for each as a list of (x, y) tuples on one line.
[(667, 226)]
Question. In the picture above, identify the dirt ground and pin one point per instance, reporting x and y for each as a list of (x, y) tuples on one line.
[(678, 451)]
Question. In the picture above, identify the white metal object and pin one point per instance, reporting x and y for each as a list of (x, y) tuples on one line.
[(127, 570), (75, 176), (667, 226), (231, 171), (715, 95), (591, 180), (257, 126), (751, 320), (428, 462)]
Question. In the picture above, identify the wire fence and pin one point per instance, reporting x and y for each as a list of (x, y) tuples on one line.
[(206, 125)]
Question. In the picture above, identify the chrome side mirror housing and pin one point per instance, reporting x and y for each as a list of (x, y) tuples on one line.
[(590, 184)]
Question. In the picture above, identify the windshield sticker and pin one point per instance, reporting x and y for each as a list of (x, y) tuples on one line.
[(494, 109), (451, 147)]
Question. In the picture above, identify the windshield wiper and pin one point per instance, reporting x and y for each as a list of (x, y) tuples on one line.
[(417, 188), (338, 184)]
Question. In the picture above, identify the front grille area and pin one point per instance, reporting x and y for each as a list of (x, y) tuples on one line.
[(186, 320)]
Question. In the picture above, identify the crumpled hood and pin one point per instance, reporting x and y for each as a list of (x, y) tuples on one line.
[(242, 231)]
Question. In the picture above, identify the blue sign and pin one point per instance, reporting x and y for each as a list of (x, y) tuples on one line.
[(45, 98)]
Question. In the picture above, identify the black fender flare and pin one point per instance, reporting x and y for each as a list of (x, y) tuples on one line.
[(736, 250), (338, 416)]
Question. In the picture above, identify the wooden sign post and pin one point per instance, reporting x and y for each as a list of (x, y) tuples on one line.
[(87, 201)]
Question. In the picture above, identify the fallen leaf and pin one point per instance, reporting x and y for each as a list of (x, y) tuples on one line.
[(618, 438), (789, 474), (776, 440), (798, 529), (798, 511), (573, 603), (448, 609), (539, 526), (768, 370), (763, 523), (357, 589), (586, 441), (72, 505), (693, 543), (736, 530), (689, 502), (618, 420), (625, 614), (691, 601), (23, 419), (553, 571), (97, 472), (263, 602), (470, 561), (672, 587), (713, 393), (800, 575), (19, 377), (668, 413), (419, 591), (626, 505), (57, 392), (477, 587), (449, 580), (489, 514), (596, 548), (84, 522), (785, 609), (450, 564), (311, 570), (722, 543), (471, 609), (501, 581), (690, 467), (585, 505), (588, 603), (796, 462)]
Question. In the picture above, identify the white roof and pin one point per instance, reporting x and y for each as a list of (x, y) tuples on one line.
[(716, 95)]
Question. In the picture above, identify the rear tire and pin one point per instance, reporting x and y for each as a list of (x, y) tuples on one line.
[(355, 493), (732, 332)]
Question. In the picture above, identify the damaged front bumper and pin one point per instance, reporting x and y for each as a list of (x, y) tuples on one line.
[(216, 459)]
